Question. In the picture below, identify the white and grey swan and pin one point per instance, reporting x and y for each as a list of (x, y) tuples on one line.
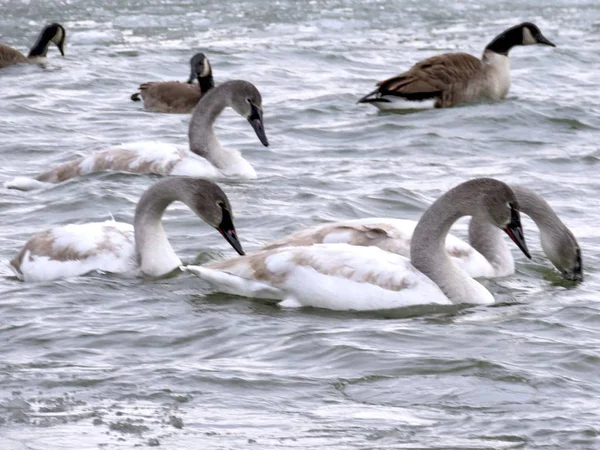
[(116, 247), (487, 255), (206, 157), (347, 277), (54, 33), (176, 97), (453, 78)]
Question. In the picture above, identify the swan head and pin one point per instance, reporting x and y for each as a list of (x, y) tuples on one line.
[(210, 203), (247, 102), (200, 67), (564, 252), (502, 209), (57, 34)]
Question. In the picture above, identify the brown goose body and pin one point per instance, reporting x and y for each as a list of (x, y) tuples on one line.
[(454, 78), (169, 96), (176, 97), (52, 33)]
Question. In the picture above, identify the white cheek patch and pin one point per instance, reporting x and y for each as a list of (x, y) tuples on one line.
[(205, 68), (528, 38)]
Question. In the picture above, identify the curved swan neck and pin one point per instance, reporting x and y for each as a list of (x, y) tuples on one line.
[(203, 140), (489, 241), (156, 256), (427, 252)]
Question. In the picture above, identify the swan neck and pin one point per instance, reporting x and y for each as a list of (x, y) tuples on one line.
[(203, 140), (428, 253), (156, 256)]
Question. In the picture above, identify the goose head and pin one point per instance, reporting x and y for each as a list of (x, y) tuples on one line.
[(525, 33), (55, 33), (501, 208), (563, 251), (200, 67), (209, 202), (531, 35), (247, 102)]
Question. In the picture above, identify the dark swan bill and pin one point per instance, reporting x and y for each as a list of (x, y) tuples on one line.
[(227, 230), (256, 120)]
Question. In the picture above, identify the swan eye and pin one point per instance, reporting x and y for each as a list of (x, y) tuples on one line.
[(249, 101), (220, 204)]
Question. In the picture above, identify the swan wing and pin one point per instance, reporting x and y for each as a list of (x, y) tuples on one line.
[(390, 235), (77, 249), (332, 276)]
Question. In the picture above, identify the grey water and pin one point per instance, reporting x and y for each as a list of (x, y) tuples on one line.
[(105, 362)]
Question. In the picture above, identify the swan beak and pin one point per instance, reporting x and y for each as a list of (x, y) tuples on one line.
[(61, 47), (515, 232), (256, 120), (227, 230), (542, 40), (577, 273)]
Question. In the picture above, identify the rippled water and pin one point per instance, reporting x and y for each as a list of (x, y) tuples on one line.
[(106, 362)]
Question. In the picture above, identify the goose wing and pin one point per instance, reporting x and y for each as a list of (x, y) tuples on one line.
[(170, 96), (10, 56), (430, 77)]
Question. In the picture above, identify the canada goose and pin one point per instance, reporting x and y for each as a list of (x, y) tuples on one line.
[(174, 96), (342, 276), (206, 158), (117, 247), (487, 256), (51, 33), (454, 78)]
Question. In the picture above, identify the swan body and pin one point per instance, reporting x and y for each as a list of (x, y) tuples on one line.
[(343, 276), (206, 158), (115, 247), (390, 235)]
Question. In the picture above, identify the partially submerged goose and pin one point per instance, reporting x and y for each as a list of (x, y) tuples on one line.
[(342, 276), (206, 158), (116, 247), (174, 96), (52, 33), (488, 256), (454, 78)]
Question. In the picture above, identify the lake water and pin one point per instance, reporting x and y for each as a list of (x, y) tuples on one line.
[(114, 363)]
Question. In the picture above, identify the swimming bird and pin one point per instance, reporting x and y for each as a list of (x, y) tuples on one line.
[(206, 158), (51, 33), (116, 247), (176, 97), (454, 78), (558, 242), (342, 276), (487, 256)]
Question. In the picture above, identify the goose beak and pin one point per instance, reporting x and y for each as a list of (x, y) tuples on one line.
[(542, 40), (193, 76), (256, 120), (515, 232), (227, 230)]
